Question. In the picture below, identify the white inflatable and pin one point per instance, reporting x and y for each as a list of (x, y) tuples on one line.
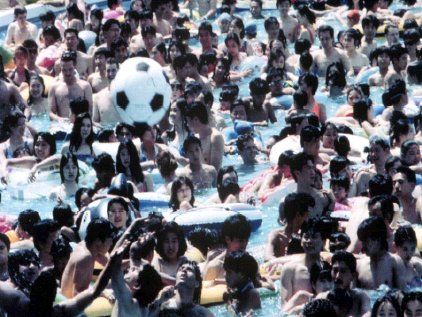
[(97, 209), (213, 216), (141, 91), (88, 37), (151, 201), (111, 148), (19, 188), (357, 144)]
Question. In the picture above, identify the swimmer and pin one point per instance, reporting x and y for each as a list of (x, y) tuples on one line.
[(171, 247), (296, 211), (388, 268), (182, 194), (405, 243), (343, 272)]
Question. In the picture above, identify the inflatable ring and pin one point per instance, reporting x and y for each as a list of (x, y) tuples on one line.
[(213, 216), (99, 307), (381, 28)]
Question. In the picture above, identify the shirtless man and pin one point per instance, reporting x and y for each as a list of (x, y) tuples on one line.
[(103, 110), (235, 232), (201, 174), (295, 275), (192, 61), (370, 24), (259, 109), (343, 272), (404, 182), (83, 61), (205, 38), (303, 171), (136, 41), (69, 88), (159, 7), (379, 152), (378, 266), (255, 7), (399, 58), (186, 292), (392, 35), (20, 30), (111, 32), (99, 80), (405, 243), (382, 54), (296, 211), (228, 189), (247, 149), (329, 54), (211, 139), (79, 270), (288, 24)]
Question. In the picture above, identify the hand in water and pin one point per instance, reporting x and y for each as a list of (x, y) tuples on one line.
[(32, 176)]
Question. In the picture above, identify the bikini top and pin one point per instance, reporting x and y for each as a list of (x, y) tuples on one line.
[(23, 148)]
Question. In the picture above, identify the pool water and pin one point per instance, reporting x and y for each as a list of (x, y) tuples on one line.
[(271, 305)]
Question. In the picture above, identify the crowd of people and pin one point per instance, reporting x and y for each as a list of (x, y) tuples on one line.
[(324, 263)]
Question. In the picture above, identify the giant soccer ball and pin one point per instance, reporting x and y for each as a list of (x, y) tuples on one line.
[(141, 91)]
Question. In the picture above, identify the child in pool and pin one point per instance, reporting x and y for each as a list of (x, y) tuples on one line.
[(340, 187), (405, 243), (182, 197), (171, 247), (241, 270)]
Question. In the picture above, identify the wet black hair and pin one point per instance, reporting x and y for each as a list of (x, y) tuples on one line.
[(166, 163), (302, 45), (306, 60), (236, 226), (321, 224), (386, 298), (60, 248), (337, 164), (373, 228), (174, 203), (300, 99), (404, 234), (107, 24), (189, 141), (25, 258), (27, 219), (103, 162), (318, 308), (49, 138), (134, 165), (304, 10), (241, 262), (258, 86), (380, 184), (370, 19), (80, 192), (344, 240), (386, 205), (342, 181), (198, 109), (298, 161), (5, 239), (342, 145), (204, 238), (63, 215), (149, 284), (284, 158), (308, 134), (99, 228), (410, 296), (310, 80), (405, 147), (171, 227), (64, 160), (296, 203), (270, 20)]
